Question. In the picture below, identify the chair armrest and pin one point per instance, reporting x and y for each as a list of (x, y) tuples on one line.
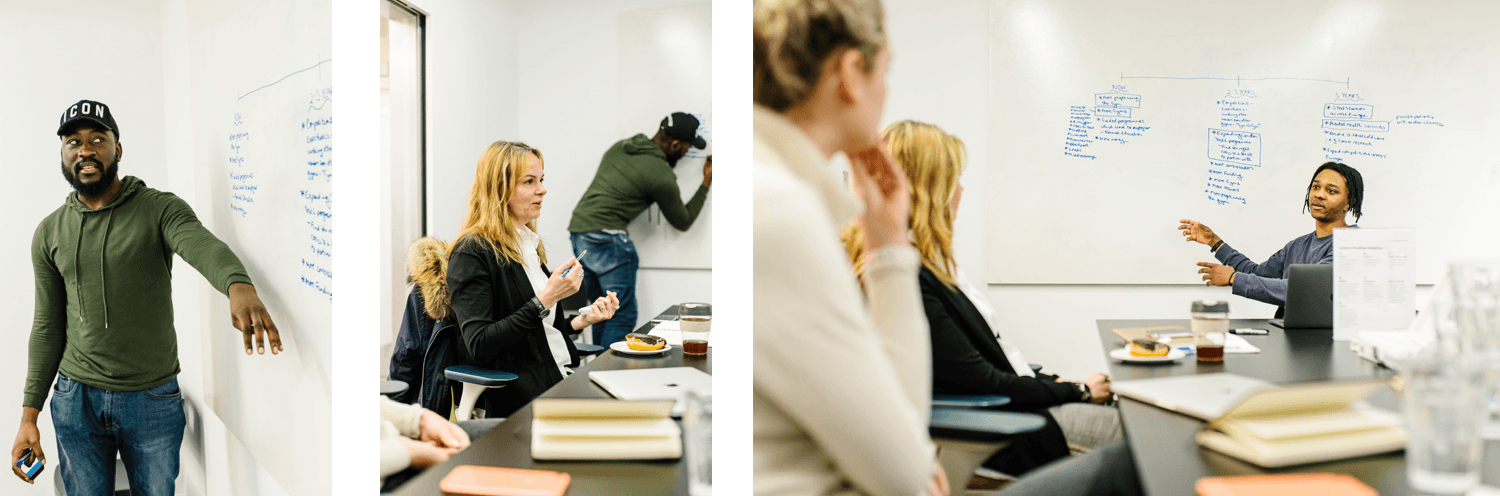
[(392, 388), (969, 400), (479, 375), (586, 349), (981, 425)]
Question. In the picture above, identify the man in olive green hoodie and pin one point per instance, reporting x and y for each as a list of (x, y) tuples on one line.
[(103, 319), (634, 173)]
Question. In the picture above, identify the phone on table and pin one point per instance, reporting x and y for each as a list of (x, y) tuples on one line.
[(497, 481), (30, 464)]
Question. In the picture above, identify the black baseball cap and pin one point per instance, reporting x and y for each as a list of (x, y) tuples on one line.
[(88, 111), (682, 126)]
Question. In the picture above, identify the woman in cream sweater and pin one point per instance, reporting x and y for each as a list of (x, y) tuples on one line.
[(841, 388)]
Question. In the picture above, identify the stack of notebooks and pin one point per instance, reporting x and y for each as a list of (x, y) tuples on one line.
[(604, 429), (1301, 424)]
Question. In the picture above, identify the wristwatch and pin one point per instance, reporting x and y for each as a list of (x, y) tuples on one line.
[(1087, 393), (541, 311)]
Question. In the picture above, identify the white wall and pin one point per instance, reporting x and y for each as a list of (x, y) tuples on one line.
[(939, 74), (472, 89)]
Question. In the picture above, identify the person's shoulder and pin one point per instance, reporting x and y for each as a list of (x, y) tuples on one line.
[(49, 223), (147, 194), (470, 243)]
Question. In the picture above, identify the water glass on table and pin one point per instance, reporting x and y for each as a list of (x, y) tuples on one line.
[(695, 320), (1475, 288), (697, 423), (1444, 407)]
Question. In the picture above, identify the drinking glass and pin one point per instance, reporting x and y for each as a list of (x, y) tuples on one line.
[(1475, 289), (695, 320), (697, 423), (1444, 406)]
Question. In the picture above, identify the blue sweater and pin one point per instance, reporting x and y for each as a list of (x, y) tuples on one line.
[(1266, 282)]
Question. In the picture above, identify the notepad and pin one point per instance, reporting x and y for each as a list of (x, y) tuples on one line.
[(671, 330), (1306, 424), (603, 429)]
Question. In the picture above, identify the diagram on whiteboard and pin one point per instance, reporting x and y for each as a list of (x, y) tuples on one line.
[(1351, 128), (281, 152)]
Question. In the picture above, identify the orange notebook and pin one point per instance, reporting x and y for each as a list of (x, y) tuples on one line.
[(496, 481), (1319, 484)]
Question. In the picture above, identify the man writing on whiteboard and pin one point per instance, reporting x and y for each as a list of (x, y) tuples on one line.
[(634, 173), (103, 325), (1336, 190)]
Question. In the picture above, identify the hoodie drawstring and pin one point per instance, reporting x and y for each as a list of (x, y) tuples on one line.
[(108, 222)]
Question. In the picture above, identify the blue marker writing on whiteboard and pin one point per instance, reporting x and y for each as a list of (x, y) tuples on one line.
[(580, 258)]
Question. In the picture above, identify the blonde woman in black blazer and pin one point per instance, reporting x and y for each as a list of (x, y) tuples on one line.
[(968, 356), (501, 289)]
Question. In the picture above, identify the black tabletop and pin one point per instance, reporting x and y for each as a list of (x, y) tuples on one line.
[(509, 444), (1170, 462)]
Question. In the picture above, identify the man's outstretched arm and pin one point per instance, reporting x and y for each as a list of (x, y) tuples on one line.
[(218, 264)]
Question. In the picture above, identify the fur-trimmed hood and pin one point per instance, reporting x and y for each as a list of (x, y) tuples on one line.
[(427, 263)]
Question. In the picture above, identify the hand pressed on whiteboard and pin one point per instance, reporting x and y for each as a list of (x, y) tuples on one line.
[(1215, 274), (708, 171), (1196, 231), (249, 315)]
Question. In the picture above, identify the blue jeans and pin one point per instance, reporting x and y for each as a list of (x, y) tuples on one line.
[(609, 266), (91, 424)]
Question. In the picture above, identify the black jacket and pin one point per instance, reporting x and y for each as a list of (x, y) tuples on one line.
[(497, 330), (966, 358)]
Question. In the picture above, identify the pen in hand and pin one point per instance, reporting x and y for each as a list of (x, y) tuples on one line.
[(580, 262)]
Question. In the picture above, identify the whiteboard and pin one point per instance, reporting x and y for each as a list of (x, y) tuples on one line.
[(263, 110), (665, 62), (1112, 120)]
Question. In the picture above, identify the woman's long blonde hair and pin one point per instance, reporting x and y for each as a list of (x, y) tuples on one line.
[(489, 219), (933, 161)]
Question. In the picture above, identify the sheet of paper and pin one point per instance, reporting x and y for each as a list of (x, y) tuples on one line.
[(669, 330), (1373, 286)]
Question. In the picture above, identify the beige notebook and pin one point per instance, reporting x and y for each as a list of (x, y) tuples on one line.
[(1309, 423), (603, 429)]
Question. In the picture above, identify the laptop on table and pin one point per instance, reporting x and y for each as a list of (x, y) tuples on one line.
[(1309, 298)]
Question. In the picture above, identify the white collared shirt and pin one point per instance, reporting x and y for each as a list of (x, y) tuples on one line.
[(556, 341)]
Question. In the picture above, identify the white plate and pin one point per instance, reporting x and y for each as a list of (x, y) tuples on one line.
[(621, 347), (1124, 354)]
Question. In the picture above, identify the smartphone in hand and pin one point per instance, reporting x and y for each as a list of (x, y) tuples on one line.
[(31, 465)]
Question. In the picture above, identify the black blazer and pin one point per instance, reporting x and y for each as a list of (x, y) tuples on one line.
[(497, 330), (966, 358)]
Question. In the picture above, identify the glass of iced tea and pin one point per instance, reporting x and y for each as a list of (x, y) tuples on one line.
[(694, 319), (1210, 328)]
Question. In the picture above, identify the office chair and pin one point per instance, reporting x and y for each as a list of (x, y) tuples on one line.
[(966, 435), (475, 381)]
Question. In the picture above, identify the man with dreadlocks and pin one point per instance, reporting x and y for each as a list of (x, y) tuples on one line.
[(1336, 190)]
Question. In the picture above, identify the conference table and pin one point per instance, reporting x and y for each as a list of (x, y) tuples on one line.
[(1170, 462), (509, 444)]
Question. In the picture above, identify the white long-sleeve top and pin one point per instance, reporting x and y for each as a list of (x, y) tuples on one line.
[(396, 419), (842, 390)]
